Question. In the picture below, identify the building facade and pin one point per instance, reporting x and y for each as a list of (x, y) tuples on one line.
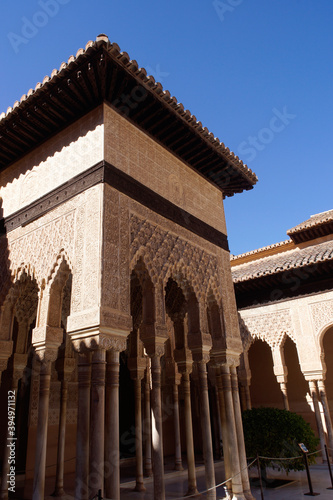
[(285, 301), (117, 302)]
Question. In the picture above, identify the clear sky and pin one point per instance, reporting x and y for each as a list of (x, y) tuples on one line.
[(257, 73)]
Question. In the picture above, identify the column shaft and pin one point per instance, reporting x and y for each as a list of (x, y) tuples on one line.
[(224, 429), (206, 433), (138, 437), (97, 408), (192, 482), (314, 395), (83, 425), (112, 461), (324, 402), (42, 423), (237, 486), (157, 433), (147, 428), (283, 387), (59, 482), (240, 435), (178, 450)]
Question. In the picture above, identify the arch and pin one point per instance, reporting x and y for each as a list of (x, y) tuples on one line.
[(61, 260), (264, 388)]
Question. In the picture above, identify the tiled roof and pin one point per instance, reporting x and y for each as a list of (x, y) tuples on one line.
[(315, 220), (269, 248), (47, 89), (278, 263)]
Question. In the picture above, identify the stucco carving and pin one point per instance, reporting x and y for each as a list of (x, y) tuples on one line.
[(165, 254), (43, 245), (270, 327), (322, 314)]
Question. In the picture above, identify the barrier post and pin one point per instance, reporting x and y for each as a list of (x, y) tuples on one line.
[(305, 456), (260, 480), (329, 468)]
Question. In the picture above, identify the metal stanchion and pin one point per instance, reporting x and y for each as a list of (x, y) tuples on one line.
[(305, 456), (329, 468), (260, 480)]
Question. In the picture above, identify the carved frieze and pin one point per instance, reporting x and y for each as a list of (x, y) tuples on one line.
[(270, 327), (322, 314)]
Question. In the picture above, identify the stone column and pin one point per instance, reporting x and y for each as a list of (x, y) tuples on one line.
[(192, 481), (281, 373), (224, 428), (178, 449), (324, 402), (206, 432), (314, 395), (148, 471), (157, 432), (65, 368), (219, 427), (112, 469), (97, 415), (83, 426), (42, 423), (283, 387), (240, 435), (237, 486), (138, 434)]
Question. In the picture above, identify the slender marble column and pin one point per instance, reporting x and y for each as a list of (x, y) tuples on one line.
[(240, 435), (157, 432), (314, 395), (192, 482), (97, 407), (237, 486), (112, 461), (59, 483), (283, 387), (5, 463), (178, 449), (206, 432), (148, 471), (224, 429), (219, 427), (324, 402), (42, 422), (138, 436), (83, 424)]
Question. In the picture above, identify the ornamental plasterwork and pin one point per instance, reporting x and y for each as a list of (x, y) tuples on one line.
[(166, 254), (322, 314), (40, 248), (270, 327)]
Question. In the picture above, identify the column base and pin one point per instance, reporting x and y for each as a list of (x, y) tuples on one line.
[(192, 492), (148, 473), (178, 467), (248, 495), (139, 487)]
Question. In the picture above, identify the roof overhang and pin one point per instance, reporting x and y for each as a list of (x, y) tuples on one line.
[(101, 73)]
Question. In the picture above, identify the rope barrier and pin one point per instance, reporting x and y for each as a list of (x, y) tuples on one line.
[(220, 484)]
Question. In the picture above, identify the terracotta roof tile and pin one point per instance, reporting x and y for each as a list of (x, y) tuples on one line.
[(274, 264), (314, 221), (157, 88)]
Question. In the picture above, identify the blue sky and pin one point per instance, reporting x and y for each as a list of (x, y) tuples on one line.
[(257, 73)]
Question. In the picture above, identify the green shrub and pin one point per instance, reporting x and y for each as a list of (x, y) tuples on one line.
[(270, 432)]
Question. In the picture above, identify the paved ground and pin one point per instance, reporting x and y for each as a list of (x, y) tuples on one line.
[(176, 485)]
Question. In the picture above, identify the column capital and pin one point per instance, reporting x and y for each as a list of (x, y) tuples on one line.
[(47, 338), (313, 375), (184, 360), (154, 337), (225, 357), (100, 338)]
